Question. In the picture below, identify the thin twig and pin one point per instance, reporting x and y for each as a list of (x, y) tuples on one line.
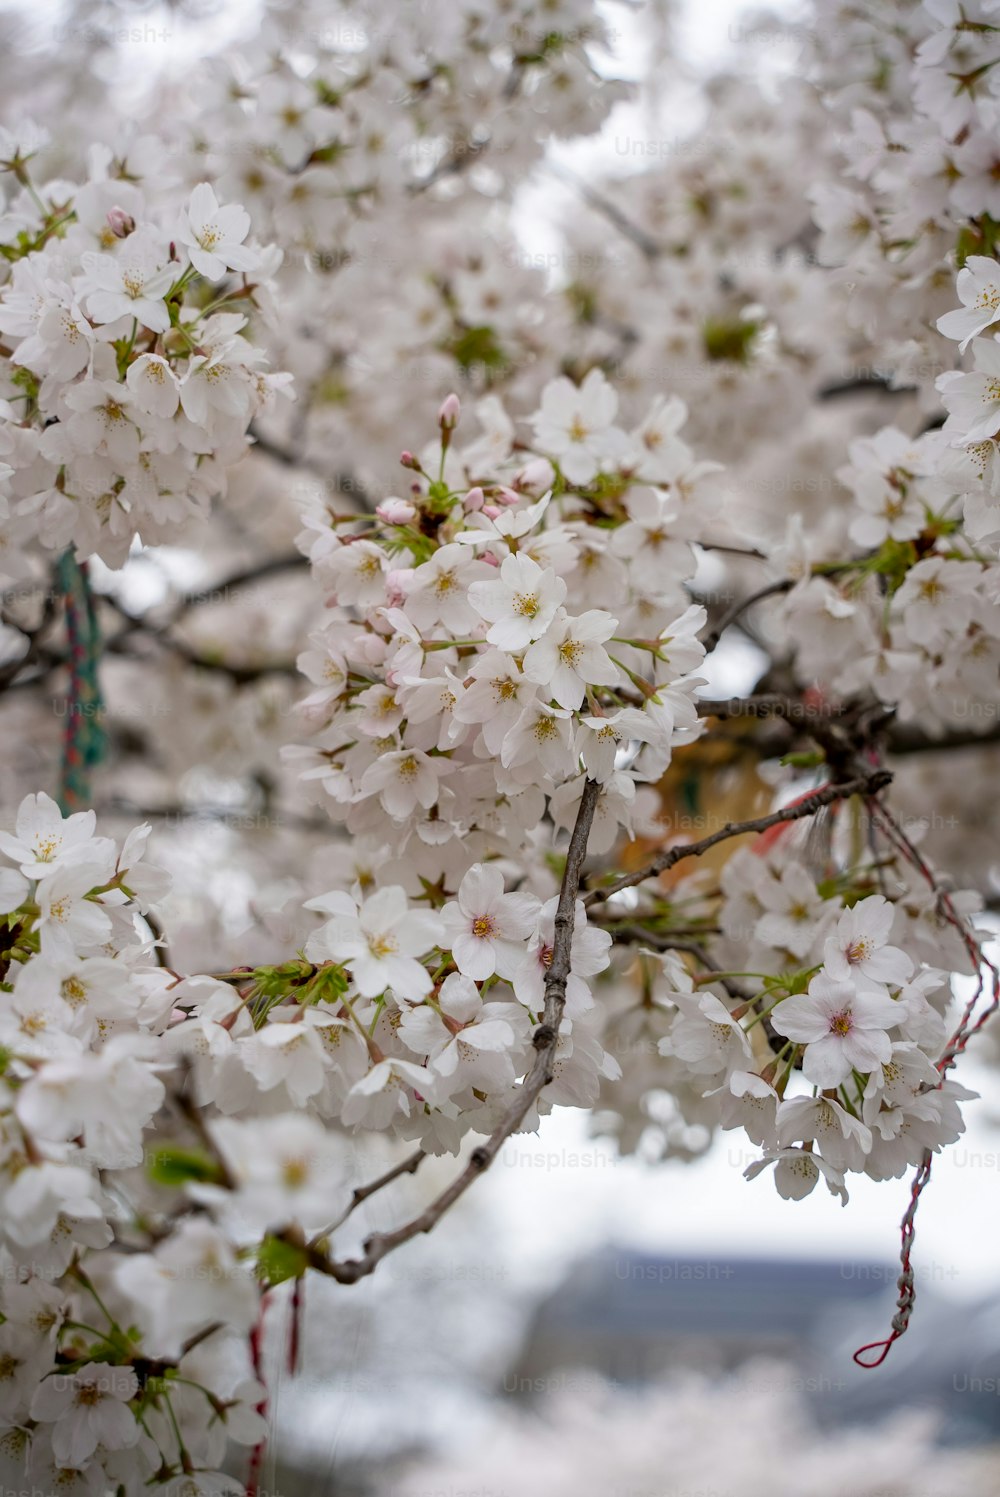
[(868, 785), (783, 585), (407, 1166)]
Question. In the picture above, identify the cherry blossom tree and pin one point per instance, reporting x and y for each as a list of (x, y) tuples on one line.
[(384, 587)]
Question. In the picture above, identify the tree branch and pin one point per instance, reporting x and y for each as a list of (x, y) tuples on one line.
[(349, 1271), (868, 785)]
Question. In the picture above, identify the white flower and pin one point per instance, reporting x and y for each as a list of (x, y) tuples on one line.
[(662, 451), (972, 400), (794, 910), (43, 838), (468, 1043), (390, 1087), (107, 1097), (439, 590), (487, 929), (570, 656), (978, 289), (403, 780), (155, 387), (380, 945), (287, 1169), (357, 573), (192, 1279), (796, 1173), (43, 1198), (129, 284), (290, 1051), (645, 542), (840, 1028), (937, 599), (574, 425), (599, 739), (496, 699), (858, 952), (541, 736), (86, 1409), (589, 954), (102, 422), (705, 1035), (521, 604), (214, 235), (67, 920), (843, 1140)]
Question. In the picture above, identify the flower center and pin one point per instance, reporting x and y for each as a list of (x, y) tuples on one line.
[(483, 927), (294, 1173), (526, 604), (841, 1024), (382, 946)]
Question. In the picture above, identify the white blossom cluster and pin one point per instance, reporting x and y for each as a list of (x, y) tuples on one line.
[(87, 1400), (127, 381), (519, 615)]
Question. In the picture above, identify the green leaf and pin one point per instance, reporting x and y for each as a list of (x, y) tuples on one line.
[(730, 340), (477, 347), (173, 1165), (278, 1260)]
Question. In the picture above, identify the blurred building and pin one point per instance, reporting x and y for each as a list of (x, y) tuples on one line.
[(632, 1318)]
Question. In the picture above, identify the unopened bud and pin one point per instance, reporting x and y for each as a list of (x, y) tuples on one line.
[(409, 461), (492, 511), (505, 497), (120, 223), (396, 511), (536, 476), (473, 500), (451, 409), (397, 580)]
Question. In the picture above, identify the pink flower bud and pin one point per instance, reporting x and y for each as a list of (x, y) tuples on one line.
[(536, 476), (490, 559), (395, 511), (506, 497), (451, 409), (120, 223), (473, 501), (492, 511), (409, 461), (397, 580)]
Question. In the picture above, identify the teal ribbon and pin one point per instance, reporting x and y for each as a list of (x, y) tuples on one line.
[(84, 739)]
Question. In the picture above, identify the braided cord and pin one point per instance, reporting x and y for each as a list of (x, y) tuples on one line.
[(84, 739)]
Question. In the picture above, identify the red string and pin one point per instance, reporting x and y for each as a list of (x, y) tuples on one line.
[(295, 1325), (953, 1049), (256, 1339)]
